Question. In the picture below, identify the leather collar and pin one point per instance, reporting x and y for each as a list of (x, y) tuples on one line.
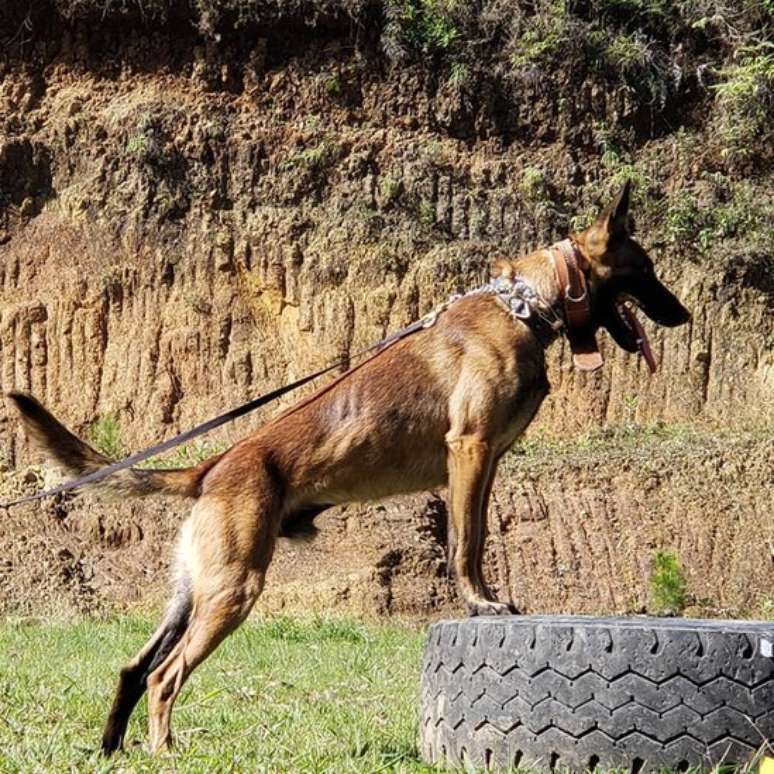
[(571, 266)]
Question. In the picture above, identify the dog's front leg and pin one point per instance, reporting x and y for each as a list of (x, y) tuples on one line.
[(471, 467)]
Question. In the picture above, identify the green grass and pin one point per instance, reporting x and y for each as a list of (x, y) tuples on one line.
[(185, 456), (105, 436), (280, 695)]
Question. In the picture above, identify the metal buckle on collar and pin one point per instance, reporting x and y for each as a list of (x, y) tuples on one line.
[(576, 300)]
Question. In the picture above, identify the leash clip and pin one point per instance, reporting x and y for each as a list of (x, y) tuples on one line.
[(430, 319), (520, 308)]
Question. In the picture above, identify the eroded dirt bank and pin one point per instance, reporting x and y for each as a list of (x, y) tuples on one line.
[(188, 218), (574, 531)]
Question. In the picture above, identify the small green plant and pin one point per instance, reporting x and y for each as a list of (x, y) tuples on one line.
[(766, 608), (634, 60), (333, 85), (137, 145), (630, 403), (105, 436), (537, 46), (643, 183), (367, 212), (390, 189), (319, 628), (581, 221), (314, 159), (667, 585), (683, 218), (459, 75), (215, 129), (433, 152), (142, 144), (426, 213), (627, 53), (533, 184)]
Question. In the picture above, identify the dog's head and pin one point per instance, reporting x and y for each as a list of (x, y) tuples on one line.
[(621, 273)]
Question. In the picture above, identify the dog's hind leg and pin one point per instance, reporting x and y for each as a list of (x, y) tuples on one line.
[(227, 546), (134, 676)]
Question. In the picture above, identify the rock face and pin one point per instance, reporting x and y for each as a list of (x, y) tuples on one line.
[(183, 227)]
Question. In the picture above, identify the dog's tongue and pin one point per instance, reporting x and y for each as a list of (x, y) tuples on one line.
[(642, 340)]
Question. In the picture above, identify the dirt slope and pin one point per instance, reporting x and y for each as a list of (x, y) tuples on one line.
[(190, 215), (574, 531)]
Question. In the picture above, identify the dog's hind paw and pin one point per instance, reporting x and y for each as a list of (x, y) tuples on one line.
[(490, 608)]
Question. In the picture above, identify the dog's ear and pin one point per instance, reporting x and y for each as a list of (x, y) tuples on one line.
[(613, 224), (501, 267), (614, 220)]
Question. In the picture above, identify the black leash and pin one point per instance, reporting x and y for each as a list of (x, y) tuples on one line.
[(211, 424)]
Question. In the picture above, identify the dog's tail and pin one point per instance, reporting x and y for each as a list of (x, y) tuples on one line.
[(49, 435)]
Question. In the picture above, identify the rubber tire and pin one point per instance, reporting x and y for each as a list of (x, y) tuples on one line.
[(580, 693)]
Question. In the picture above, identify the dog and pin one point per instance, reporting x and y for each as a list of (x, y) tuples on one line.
[(439, 407)]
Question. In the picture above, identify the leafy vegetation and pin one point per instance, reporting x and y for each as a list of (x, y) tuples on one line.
[(658, 59), (533, 183), (426, 26), (746, 96), (315, 159), (426, 213), (667, 585), (743, 214), (333, 85)]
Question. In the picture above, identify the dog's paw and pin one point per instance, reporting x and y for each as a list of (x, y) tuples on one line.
[(490, 608)]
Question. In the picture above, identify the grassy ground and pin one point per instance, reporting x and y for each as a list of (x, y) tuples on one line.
[(278, 696)]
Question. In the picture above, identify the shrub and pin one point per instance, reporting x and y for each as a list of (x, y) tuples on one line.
[(743, 214), (544, 37), (426, 26), (746, 96)]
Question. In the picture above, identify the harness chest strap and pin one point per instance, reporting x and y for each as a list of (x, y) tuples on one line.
[(577, 307)]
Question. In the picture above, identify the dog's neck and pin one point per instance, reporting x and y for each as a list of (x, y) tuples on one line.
[(558, 296), (538, 271)]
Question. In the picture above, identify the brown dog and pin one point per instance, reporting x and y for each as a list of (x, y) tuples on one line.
[(440, 406)]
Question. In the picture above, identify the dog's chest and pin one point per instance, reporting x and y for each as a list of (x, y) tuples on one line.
[(519, 409)]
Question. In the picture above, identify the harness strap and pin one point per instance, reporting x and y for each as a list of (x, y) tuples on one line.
[(239, 411), (569, 264)]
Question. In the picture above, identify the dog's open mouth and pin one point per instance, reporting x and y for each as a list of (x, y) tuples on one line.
[(628, 319)]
